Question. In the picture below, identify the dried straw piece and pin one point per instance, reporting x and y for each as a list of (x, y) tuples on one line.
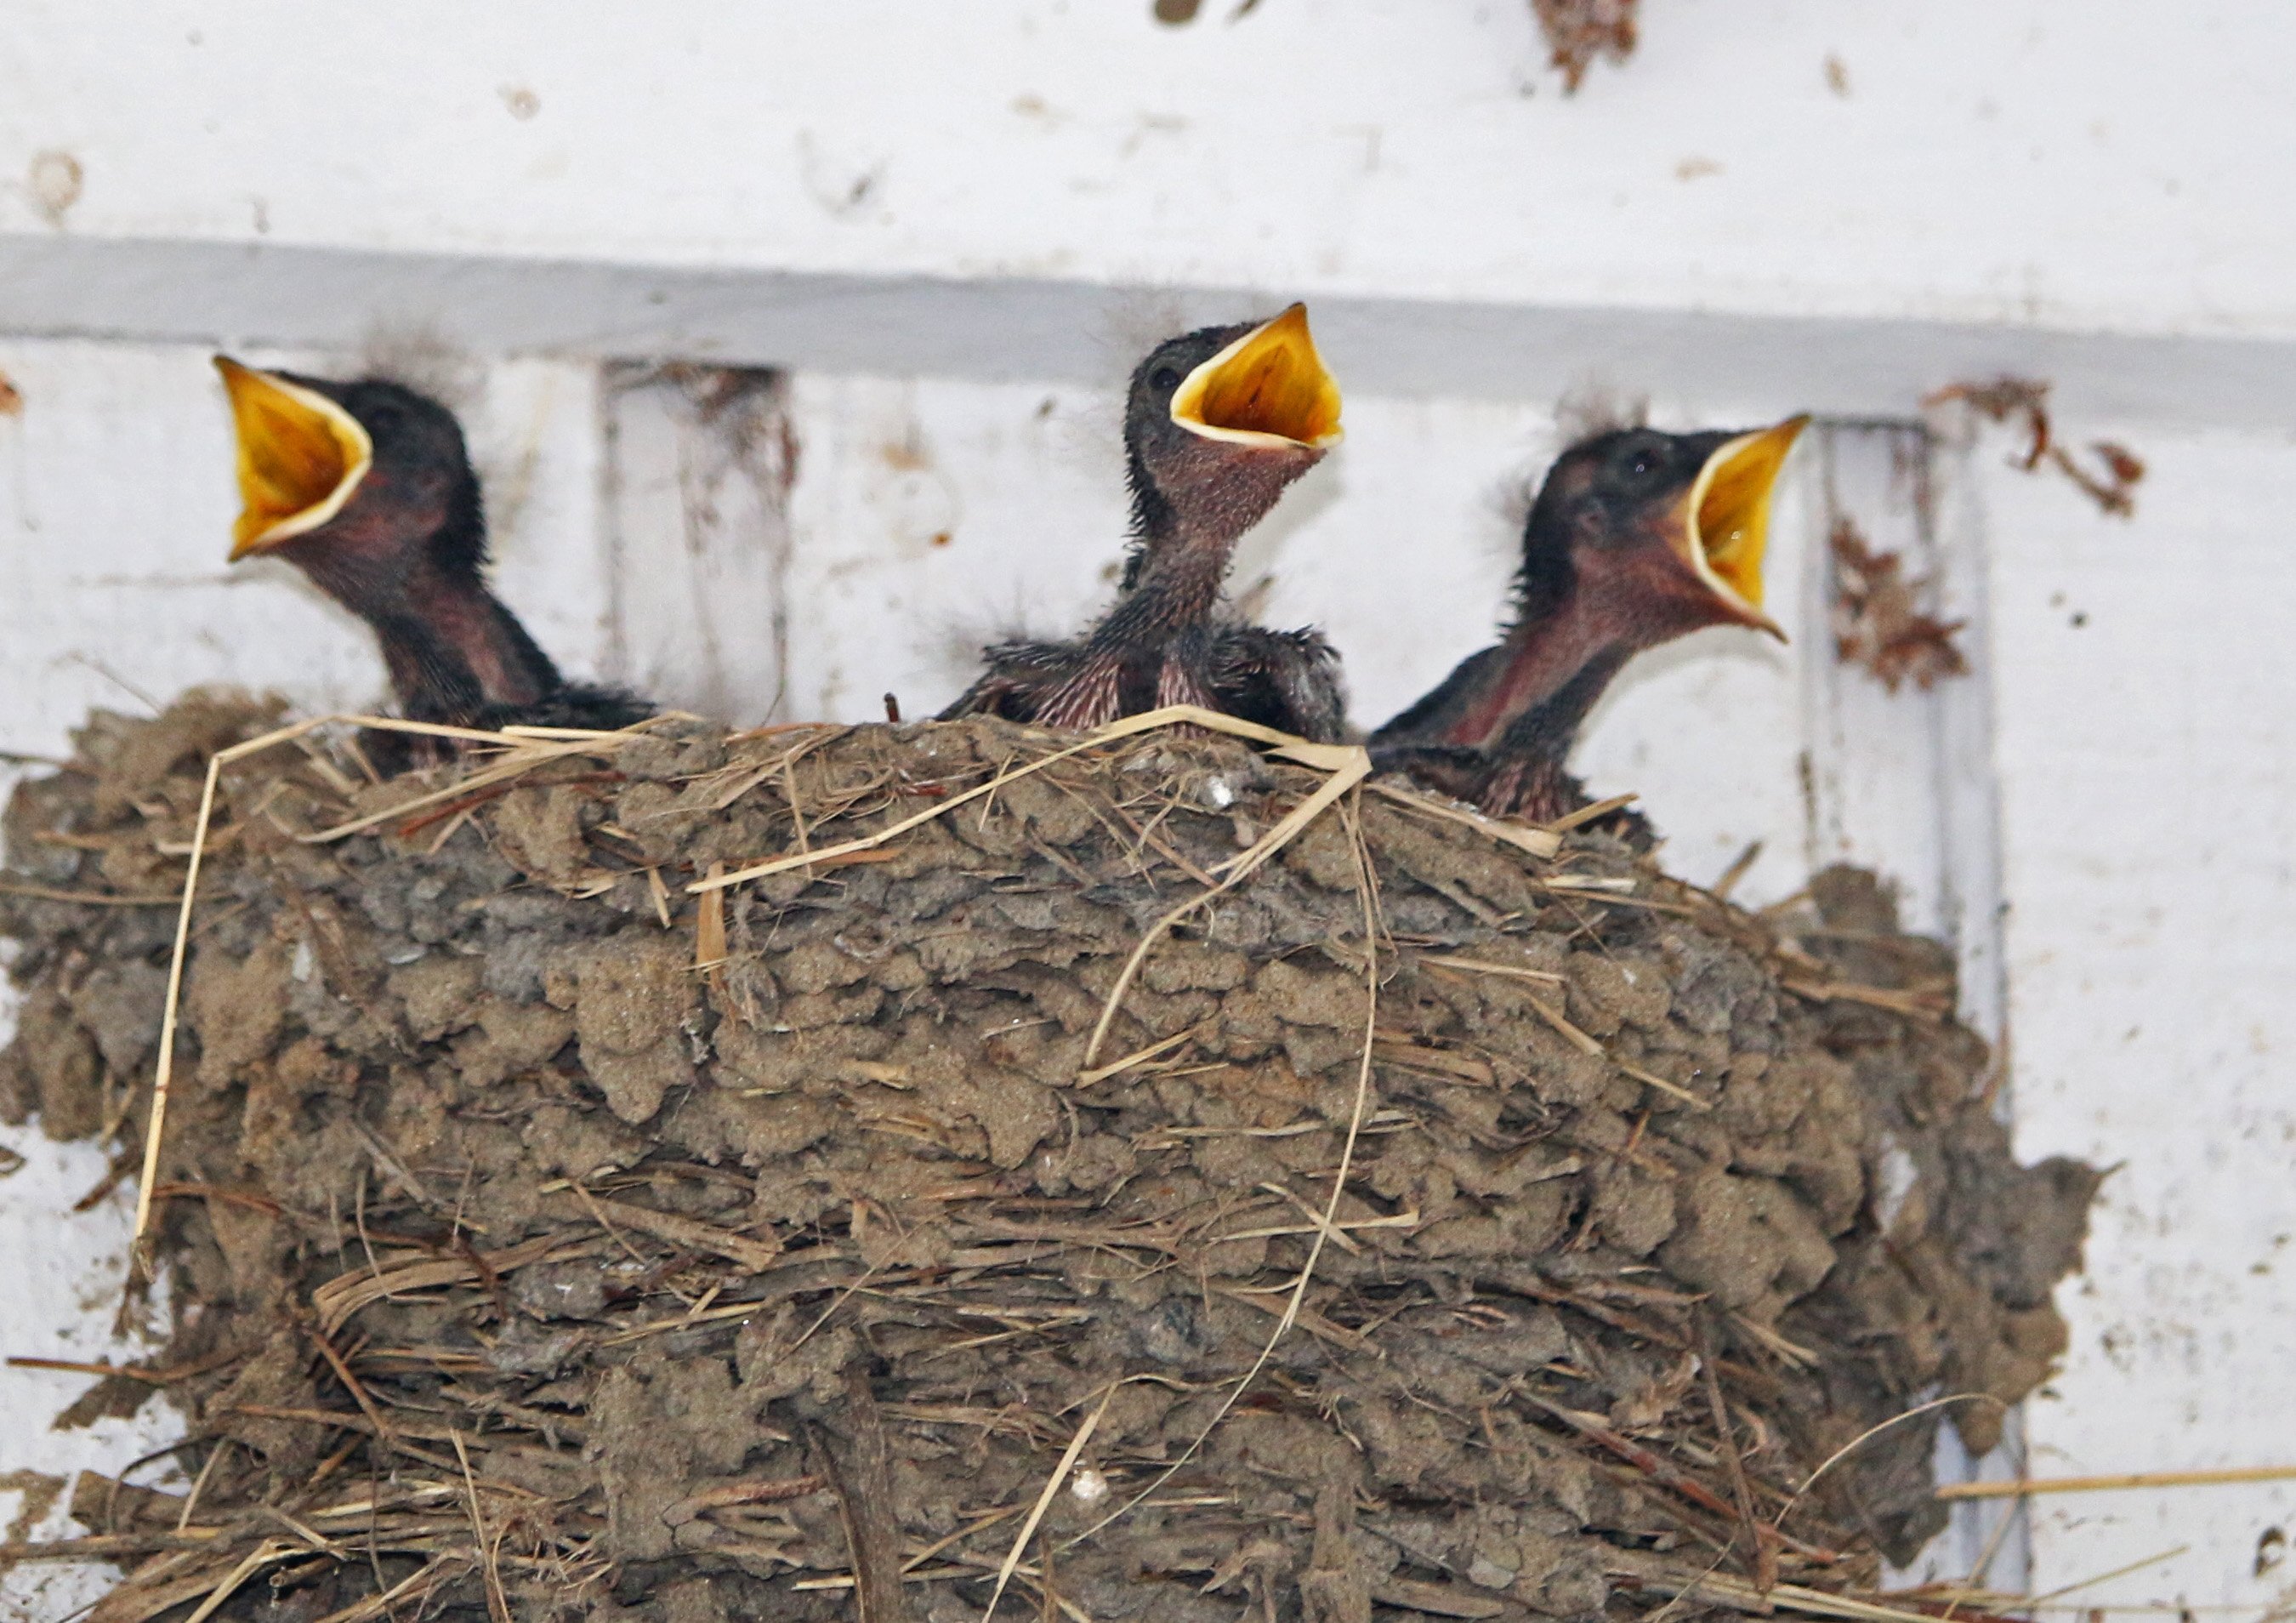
[(83, 898), (1052, 1486), (1587, 1045), (755, 1254), (2025, 1486)]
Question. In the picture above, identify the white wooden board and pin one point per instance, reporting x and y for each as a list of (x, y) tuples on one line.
[(2078, 164), (2147, 725)]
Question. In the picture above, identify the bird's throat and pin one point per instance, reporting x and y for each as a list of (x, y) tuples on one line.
[(1177, 586), (509, 668), (1559, 662), (452, 648)]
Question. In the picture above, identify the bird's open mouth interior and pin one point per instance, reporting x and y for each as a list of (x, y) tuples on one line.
[(1269, 386), (300, 457), (1729, 516)]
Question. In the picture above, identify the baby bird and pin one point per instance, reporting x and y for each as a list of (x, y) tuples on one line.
[(1636, 537), (367, 488), (1217, 423)]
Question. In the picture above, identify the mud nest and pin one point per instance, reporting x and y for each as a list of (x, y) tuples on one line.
[(546, 1240)]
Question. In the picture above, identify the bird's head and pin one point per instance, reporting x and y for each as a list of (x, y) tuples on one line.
[(1218, 421), (1666, 531), (330, 470)]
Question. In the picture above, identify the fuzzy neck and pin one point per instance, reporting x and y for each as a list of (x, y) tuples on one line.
[(1547, 729), (486, 637), (1174, 585), (451, 647), (1544, 666), (1535, 687), (1192, 502), (1180, 559)]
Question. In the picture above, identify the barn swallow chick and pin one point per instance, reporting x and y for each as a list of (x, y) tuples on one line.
[(1636, 537), (367, 488), (1217, 423)]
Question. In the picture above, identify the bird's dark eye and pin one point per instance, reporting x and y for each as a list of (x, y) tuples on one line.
[(1165, 377)]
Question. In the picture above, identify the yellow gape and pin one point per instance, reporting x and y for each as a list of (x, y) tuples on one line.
[(1268, 387), (300, 457), (1728, 525)]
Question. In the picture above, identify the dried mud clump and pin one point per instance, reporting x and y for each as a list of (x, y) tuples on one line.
[(1878, 623), (550, 1241), (2023, 402), (1581, 32)]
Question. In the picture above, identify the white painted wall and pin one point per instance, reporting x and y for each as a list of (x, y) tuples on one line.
[(906, 187), (960, 225), (2083, 163), (63, 1278), (2147, 708)]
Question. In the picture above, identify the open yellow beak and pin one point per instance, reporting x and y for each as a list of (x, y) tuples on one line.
[(1268, 388), (300, 457), (1728, 522)]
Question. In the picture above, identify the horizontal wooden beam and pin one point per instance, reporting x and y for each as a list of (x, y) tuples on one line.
[(1056, 331)]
